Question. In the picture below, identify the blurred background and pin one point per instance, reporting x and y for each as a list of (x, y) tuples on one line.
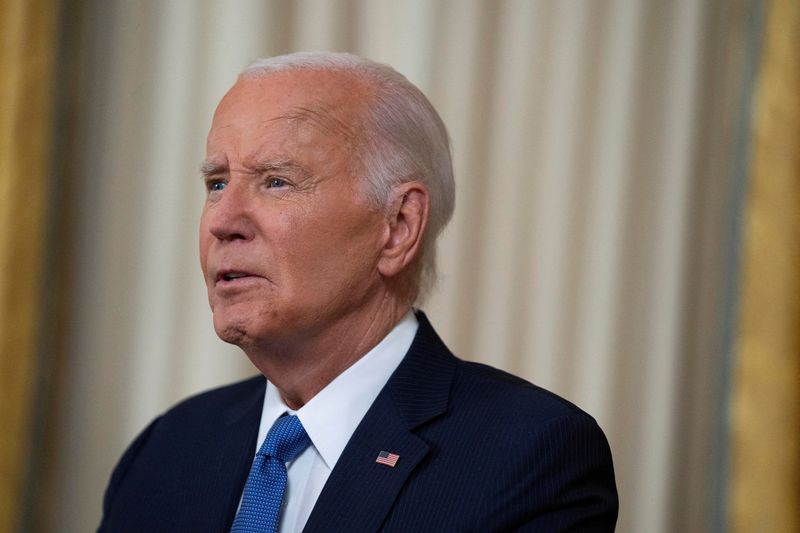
[(627, 228)]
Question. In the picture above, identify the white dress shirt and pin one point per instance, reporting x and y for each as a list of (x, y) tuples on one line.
[(330, 418)]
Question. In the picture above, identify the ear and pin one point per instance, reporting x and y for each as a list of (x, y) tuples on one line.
[(407, 218)]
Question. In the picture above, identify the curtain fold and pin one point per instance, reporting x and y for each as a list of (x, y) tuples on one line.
[(765, 466), (28, 31), (587, 252)]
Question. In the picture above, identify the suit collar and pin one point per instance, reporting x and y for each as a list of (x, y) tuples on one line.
[(237, 441), (360, 492), (425, 373), (251, 402)]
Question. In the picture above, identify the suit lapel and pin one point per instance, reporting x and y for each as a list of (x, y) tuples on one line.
[(237, 442), (360, 492)]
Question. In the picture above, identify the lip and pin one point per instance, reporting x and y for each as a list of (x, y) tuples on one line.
[(233, 276)]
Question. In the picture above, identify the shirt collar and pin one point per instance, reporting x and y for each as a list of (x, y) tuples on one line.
[(330, 418)]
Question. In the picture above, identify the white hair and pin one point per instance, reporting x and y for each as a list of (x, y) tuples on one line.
[(404, 140)]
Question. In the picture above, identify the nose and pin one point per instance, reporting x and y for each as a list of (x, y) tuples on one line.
[(228, 216)]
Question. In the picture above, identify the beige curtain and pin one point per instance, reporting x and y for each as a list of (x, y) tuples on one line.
[(592, 144), (27, 57), (765, 474)]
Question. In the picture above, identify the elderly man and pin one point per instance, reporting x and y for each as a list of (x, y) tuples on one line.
[(328, 180)]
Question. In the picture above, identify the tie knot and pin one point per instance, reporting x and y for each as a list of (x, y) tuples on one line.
[(286, 439)]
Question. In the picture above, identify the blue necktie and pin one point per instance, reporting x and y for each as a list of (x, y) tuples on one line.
[(266, 484)]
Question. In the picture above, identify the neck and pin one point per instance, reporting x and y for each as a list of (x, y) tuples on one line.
[(302, 368)]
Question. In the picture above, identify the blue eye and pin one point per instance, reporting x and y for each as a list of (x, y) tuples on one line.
[(275, 182), (216, 186)]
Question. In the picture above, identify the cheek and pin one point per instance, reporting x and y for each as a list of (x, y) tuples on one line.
[(203, 242), (346, 247)]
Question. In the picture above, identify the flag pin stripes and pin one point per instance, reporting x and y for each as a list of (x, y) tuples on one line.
[(387, 458)]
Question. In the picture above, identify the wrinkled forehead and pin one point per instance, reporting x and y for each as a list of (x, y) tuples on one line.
[(331, 101)]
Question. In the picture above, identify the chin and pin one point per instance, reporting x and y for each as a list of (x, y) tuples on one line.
[(231, 335), (243, 326), (232, 330)]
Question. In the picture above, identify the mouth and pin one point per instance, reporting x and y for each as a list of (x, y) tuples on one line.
[(232, 275)]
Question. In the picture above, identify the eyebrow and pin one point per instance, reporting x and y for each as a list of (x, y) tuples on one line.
[(211, 168)]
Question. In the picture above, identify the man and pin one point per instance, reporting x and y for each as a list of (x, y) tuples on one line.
[(329, 179)]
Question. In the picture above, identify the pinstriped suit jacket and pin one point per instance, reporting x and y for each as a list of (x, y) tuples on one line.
[(480, 450)]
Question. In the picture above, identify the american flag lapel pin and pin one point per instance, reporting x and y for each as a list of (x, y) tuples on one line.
[(387, 458)]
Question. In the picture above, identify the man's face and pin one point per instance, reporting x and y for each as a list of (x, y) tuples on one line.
[(288, 245)]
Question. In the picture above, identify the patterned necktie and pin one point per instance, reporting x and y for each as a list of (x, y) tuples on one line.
[(266, 484)]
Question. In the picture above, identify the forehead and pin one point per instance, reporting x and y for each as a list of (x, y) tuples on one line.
[(329, 101)]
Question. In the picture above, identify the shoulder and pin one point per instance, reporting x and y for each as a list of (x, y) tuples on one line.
[(195, 419), (548, 457), (184, 455), (494, 402), (474, 395), (549, 462), (220, 400), (201, 414), (504, 395)]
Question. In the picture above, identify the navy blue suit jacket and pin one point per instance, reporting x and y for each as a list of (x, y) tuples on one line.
[(480, 450)]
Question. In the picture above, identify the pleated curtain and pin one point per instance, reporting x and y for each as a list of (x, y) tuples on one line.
[(590, 251)]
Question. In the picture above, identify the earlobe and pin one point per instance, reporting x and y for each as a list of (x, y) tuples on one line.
[(408, 217)]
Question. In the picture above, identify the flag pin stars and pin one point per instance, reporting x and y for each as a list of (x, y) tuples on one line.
[(387, 458)]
